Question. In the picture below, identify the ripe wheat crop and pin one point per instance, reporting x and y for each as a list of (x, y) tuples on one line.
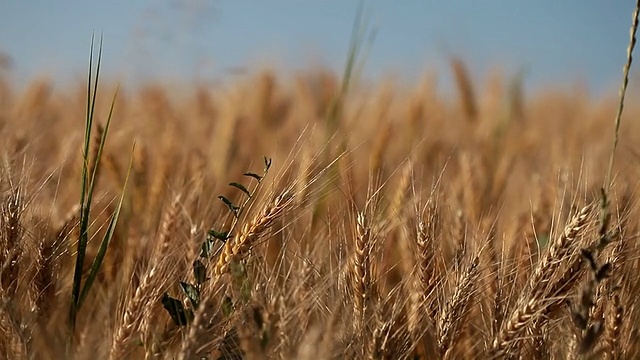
[(386, 222)]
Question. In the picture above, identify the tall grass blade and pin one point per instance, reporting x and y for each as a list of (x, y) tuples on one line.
[(104, 245), (84, 193)]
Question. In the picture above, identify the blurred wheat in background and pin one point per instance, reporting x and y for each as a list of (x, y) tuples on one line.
[(385, 222)]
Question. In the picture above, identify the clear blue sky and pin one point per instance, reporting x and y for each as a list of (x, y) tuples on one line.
[(554, 41)]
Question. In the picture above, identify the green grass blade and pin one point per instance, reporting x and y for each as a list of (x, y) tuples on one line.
[(95, 89), (89, 82), (84, 209), (97, 261), (90, 118), (103, 140)]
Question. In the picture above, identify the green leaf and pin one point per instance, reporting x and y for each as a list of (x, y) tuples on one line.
[(240, 187), (267, 164), (85, 192), (199, 272), (222, 236), (604, 272), (227, 306), (543, 240), (241, 279), (257, 317), (234, 209), (104, 245), (176, 310), (253, 175), (207, 246), (191, 292), (238, 271)]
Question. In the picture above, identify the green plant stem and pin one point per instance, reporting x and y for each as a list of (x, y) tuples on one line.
[(623, 90)]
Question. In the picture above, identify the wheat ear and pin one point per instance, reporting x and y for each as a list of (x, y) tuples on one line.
[(237, 248), (557, 250), (451, 319), (361, 270), (532, 304), (134, 312)]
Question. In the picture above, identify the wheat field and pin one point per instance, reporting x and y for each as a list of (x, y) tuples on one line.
[(280, 217)]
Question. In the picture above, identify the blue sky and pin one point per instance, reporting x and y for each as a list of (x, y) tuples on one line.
[(555, 42)]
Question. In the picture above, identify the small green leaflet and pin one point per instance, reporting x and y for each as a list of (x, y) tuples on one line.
[(267, 164), (253, 175), (205, 251), (227, 306), (240, 187), (191, 292), (234, 209), (199, 272), (176, 310), (222, 235)]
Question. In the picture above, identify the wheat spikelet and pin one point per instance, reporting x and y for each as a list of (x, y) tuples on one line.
[(12, 343), (399, 198), (208, 327), (44, 281), (452, 317), (237, 248), (519, 320), (465, 89), (132, 315), (558, 249), (170, 222), (613, 328), (361, 268), (43, 287), (586, 318), (470, 189), (379, 345), (532, 304), (425, 274), (459, 240), (540, 348), (136, 313), (11, 232)]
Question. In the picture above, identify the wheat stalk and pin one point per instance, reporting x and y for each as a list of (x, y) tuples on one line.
[(623, 90)]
